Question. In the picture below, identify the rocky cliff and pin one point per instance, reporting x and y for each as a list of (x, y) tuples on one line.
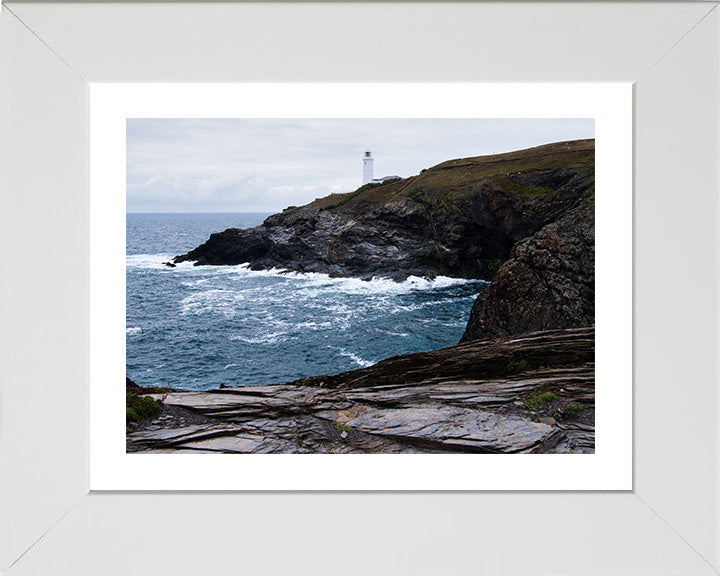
[(460, 218), (547, 283)]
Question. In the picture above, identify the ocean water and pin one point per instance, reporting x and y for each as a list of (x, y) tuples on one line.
[(198, 327)]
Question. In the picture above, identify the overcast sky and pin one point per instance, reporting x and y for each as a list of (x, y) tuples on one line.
[(254, 165)]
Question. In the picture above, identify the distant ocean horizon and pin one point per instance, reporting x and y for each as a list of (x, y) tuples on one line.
[(199, 327)]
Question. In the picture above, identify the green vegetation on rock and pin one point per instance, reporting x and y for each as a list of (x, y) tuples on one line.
[(139, 407), (494, 265), (537, 401), (573, 408), (517, 366)]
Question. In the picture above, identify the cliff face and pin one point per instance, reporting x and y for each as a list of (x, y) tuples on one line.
[(459, 218), (547, 283)]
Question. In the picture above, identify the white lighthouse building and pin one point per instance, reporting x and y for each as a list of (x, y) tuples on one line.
[(368, 172)]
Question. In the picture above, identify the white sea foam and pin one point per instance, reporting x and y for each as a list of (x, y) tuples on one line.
[(270, 338), (347, 285), (355, 358), (216, 301), (309, 280), (147, 261), (316, 325), (157, 262), (133, 331), (321, 283), (195, 283)]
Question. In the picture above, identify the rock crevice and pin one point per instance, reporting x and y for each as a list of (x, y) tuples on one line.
[(548, 282)]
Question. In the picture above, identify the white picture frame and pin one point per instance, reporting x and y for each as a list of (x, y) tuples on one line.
[(609, 468), (668, 523)]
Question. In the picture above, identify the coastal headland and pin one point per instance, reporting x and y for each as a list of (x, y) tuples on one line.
[(521, 380)]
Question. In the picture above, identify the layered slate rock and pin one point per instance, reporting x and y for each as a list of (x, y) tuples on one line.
[(477, 397), (460, 218), (547, 283)]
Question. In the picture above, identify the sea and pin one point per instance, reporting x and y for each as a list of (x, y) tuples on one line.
[(199, 327)]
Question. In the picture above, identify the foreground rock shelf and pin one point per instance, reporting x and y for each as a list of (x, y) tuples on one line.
[(533, 393)]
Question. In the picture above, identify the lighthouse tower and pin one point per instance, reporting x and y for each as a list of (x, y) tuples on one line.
[(367, 166)]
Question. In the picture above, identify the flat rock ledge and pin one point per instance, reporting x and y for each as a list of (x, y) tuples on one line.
[(533, 393)]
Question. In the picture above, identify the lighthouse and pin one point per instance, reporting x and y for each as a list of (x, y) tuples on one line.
[(367, 166)]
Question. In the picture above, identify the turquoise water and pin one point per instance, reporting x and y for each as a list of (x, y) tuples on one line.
[(198, 327)]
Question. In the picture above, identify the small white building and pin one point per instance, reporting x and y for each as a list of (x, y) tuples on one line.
[(368, 170), (384, 178)]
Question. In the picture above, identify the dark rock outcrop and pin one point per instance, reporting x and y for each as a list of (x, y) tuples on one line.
[(460, 218), (548, 282), (531, 394), (130, 386)]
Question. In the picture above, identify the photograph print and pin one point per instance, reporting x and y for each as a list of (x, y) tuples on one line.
[(394, 286)]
